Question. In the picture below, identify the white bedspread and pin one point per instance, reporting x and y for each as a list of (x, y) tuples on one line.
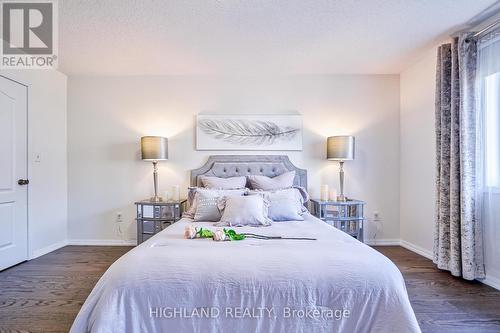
[(171, 284)]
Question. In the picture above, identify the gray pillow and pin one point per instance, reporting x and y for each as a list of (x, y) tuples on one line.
[(249, 210), (284, 205), (203, 203), (230, 183), (265, 183), (192, 192)]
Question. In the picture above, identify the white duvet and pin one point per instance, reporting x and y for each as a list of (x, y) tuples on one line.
[(171, 284)]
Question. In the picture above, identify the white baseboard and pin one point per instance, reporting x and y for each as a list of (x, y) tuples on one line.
[(48, 249), (94, 242), (382, 242), (417, 249), (102, 242), (491, 281)]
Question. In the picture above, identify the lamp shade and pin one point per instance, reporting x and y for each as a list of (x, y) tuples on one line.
[(154, 148), (340, 148)]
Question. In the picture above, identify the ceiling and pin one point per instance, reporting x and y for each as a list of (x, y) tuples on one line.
[(227, 37)]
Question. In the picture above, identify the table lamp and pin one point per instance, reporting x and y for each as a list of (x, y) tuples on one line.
[(340, 148), (154, 149)]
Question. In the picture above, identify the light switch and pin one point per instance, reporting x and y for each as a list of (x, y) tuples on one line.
[(38, 158)]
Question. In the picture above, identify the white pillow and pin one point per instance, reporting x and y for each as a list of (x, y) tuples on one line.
[(220, 183), (203, 203), (265, 183), (284, 205), (249, 210)]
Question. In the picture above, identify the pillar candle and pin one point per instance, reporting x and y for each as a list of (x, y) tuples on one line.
[(176, 196), (333, 194), (324, 193), (166, 195)]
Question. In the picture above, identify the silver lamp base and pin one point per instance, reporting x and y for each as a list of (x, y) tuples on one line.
[(341, 197), (156, 199)]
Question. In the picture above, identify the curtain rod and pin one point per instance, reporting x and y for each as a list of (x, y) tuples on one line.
[(488, 28)]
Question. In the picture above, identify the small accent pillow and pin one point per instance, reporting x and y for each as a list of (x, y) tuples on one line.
[(203, 203), (304, 194), (192, 192), (249, 210), (284, 205), (230, 183), (265, 183)]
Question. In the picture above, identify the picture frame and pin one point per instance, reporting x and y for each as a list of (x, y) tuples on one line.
[(249, 132)]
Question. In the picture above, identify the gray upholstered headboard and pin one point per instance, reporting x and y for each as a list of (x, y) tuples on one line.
[(243, 165)]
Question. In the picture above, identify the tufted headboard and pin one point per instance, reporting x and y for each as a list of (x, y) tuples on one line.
[(242, 165)]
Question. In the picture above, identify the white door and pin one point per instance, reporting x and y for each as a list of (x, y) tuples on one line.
[(13, 173)]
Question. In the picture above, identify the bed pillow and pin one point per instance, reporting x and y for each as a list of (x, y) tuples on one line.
[(304, 194), (249, 210), (192, 192), (230, 183), (265, 183), (284, 205), (203, 203)]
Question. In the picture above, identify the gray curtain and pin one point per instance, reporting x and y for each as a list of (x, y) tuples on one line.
[(458, 242)]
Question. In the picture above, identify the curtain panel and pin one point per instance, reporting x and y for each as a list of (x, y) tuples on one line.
[(457, 239)]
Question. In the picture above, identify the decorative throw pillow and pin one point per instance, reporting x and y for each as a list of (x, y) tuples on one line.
[(265, 183), (304, 194), (284, 205), (230, 183), (203, 203), (193, 190), (249, 210)]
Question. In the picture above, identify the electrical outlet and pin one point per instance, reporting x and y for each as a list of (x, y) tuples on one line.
[(38, 158), (119, 217)]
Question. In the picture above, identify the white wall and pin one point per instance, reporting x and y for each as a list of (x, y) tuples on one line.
[(108, 115), (417, 154), (47, 192)]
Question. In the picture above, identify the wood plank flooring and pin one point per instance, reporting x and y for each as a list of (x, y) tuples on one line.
[(45, 294), (443, 303)]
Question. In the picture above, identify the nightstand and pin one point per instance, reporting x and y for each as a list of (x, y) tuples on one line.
[(153, 217), (344, 215)]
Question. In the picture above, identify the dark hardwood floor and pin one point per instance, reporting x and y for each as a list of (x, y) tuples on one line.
[(443, 303), (45, 294)]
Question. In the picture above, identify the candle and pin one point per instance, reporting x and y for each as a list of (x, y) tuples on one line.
[(176, 196), (166, 195), (333, 194), (324, 193)]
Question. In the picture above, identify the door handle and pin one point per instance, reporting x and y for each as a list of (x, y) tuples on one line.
[(23, 181)]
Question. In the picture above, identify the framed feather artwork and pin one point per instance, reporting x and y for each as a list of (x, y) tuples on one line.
[(249, 132)]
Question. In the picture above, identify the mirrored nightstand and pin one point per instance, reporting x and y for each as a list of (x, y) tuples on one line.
[(153, 217), (344, 215)]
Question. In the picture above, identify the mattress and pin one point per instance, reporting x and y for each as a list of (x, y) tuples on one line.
[(171, 284)]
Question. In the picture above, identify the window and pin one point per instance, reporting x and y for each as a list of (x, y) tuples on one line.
[(492, 129), (488, 146)]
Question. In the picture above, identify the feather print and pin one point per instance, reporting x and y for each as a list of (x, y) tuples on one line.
[(247, 132)]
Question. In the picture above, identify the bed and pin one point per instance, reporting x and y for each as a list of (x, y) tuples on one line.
[(171, 284)]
